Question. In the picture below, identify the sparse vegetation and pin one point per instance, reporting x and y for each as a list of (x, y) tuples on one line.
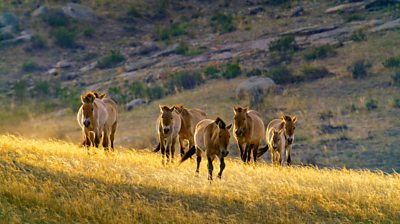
[(55, 18), (396, 103), (254, 72), (38, 42), (281, 50), (88, 31), (314, 72), (175, 30), (212, 72), (20, 89), (392, 62), (321, 52), (223, 22), (281, 75), (396, 78), (184, 80), (112, 59), (232, 70), (64, 38), (134, 12), (353, 17), (30, 66), (359, 35), (371, 104), (359, 69), (60, 181)]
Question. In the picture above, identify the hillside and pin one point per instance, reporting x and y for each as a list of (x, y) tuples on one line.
[(54, 181), (337, 70)]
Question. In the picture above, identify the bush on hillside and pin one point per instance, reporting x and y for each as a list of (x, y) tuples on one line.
[(314, 72), (392, 62), (232, 70), (359, 69), (55, 18), (222, 22), (184, 80), (112, 59), (319, 52), (282, 75), (64, 38)]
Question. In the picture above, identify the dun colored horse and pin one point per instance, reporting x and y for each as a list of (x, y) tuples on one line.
[(190, 117), (285, 128), (168, 127), (211, 137), (98, 119), (248, 131)]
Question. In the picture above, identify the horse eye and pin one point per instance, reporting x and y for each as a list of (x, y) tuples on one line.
[(294, 128)]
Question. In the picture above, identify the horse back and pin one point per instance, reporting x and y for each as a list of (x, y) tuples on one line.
[(257, 124), (202, 133)]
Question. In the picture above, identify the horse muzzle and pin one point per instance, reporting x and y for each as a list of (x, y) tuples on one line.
[(239, 132), (166, 131), (290, 141), (224, 153), (86, 122)]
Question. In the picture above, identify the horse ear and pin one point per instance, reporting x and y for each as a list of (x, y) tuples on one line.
[(282, 116), (280, 131), (82, 99), (102, 96), (228, 127), (281, 126), (161, 107), (220, 123), (245, 109), (294, 119), (236, 109)]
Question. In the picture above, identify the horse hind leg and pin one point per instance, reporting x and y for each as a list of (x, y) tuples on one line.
[(112, 134), (106, 140), (245, 152), (221, 167), (255, 152), (210, 168), (198, 160)]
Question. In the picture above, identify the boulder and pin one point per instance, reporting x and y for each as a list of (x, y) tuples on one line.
[(8, 19), (135, 104), (386, 26), (298, 11), (70, 76), (349, 7), (63, 64), (88, 67), (42, 10), (52, 72), (24, 36), (255, 10), (144, 63), (79, 12), (245, 88)]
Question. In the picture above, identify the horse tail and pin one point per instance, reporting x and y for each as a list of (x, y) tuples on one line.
[(188, 154), (262, 150), (157, 148)]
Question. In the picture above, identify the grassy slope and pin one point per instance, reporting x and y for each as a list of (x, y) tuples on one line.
[(53, 181)]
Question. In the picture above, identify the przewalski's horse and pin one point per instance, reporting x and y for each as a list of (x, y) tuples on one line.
[(98, 119), (168, 127), (248, 131), (211, 137), (190, 117), (285, 128)]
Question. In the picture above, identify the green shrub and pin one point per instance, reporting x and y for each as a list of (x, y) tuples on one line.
[(254, 72), (64, 38), (182, 49), (353, 17), (223, 22), (396, 103), (371, 104), (55, 18), (69, 97), (212, 72), (281, 75), (5, 36), (134, 12), (359, 35), (117, 94), (184, 80), (232, 70), (38, 42), (155, 92), (41, 89), (138, 90), (88, 31), (175, 30), (314, 72), (276, 2), (283, 44), (30, 66), (112, 59), (396, 78), (359, 69), (392, 62), (20, 89), (320, 52)]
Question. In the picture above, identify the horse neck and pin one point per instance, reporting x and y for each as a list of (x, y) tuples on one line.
[(185, 118), (249, 125)]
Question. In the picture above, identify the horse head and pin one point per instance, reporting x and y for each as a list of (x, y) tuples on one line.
[(240, 120), (166, 119), (288, 125), (88, 107), (221, 136)]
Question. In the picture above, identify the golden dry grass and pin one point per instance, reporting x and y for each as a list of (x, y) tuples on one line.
[(53, 181)]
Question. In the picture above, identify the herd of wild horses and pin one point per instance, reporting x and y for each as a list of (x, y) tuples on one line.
[(98, 119)]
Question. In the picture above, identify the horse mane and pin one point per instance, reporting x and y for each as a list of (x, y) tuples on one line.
[(220, 123), (89, 97)]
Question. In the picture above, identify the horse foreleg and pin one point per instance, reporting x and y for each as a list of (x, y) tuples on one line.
[(210, 167), (112, 134), (173, 144), (182, 151), (282, 156), (288, 152), (250, 147), (255, 152), (198, 159), (240, 150), (244, 156), (221, 166)]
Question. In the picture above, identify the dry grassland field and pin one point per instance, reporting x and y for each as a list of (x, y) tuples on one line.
[(335, 65)]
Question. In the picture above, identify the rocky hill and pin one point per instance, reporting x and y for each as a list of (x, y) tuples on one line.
[(332, 63)]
